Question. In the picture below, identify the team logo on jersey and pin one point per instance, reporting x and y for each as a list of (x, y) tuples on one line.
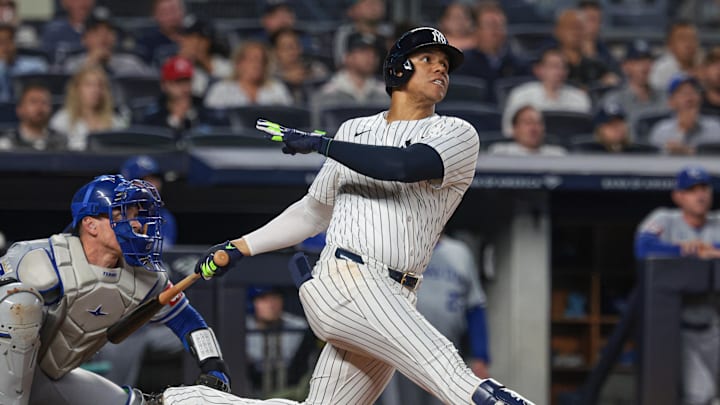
[(653, 228), (97, 311)]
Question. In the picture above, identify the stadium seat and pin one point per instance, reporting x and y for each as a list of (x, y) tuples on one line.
[(646, 121), (35, 53), (488, 138), (590, 146), (7, 114), (530, 39), (708, 148), (562, 125), (484, 117), (135, 138), (289, 116), (332, 116), (227, 137), (56, 82), (130, 88), (466, 88)]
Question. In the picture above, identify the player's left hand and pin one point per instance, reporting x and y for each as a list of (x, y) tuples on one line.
[(214, 379), (207, 267), (296, 141)]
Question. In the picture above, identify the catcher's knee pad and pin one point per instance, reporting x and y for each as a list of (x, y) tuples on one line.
[(21, 313)]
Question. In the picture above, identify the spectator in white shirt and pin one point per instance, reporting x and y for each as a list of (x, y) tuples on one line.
[(683, 49), (251, 84), (549, 92), (88, 107), (99, 40), (528, 132), (355, 83)]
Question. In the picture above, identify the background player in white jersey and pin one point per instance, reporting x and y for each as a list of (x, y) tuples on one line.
[(59, 295), (690, 230), (453, 301), (390, 184)]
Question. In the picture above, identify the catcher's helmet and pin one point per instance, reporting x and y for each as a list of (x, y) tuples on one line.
[(397, 68), (140, 247)]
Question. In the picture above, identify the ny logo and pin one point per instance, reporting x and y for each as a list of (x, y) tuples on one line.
[(439, 37)]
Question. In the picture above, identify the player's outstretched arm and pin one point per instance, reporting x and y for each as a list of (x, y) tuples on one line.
[(411, 164), (303, 219)]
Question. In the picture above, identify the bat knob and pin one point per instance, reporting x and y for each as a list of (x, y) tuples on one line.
[(221, 258)]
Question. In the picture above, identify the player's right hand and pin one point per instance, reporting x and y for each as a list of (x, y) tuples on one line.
[(296, 141), (207, 267)]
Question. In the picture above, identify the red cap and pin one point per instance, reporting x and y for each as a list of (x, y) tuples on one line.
[(177, 68)]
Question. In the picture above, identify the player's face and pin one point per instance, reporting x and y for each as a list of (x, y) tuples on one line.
[(251, 66), (685, 97), (178, 89), (429, 82), (131, 213), (614, 132), (268, 307), (91, 90), (35, 108), (696, 200), (529, 130)]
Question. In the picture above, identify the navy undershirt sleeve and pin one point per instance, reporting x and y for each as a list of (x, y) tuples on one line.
[(415, 163)]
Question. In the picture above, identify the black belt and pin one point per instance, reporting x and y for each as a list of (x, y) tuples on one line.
[(407, 279)]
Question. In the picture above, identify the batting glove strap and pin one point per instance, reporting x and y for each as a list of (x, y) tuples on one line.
[(214, 381), (206, 265)]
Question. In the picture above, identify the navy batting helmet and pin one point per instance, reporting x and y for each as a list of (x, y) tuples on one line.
[(140, 166), (397, 68)]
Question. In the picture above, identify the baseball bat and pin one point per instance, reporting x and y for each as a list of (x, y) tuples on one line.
[(143, 313)]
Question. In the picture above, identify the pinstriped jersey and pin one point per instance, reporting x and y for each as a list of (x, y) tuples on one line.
[(393, 222)]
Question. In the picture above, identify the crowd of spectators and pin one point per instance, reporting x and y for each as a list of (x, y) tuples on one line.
[(65, 81)]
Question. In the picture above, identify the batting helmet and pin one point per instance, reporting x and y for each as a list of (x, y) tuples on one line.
[(398, 69), (113, 192), (140, 166)]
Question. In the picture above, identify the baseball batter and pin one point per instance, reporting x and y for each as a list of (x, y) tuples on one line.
[(390, 184), (59, 295), (690, 230)]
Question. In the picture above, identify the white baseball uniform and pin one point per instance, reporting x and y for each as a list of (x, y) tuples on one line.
[(368, 319)]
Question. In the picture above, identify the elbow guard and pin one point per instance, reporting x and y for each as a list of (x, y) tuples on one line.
[(206, 350)]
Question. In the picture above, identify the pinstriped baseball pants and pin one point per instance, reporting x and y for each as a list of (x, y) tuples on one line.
[(372, 328)]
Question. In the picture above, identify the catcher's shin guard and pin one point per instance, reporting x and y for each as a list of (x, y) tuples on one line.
[(20, 320)]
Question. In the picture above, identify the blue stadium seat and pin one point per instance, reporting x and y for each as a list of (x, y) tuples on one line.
[(484, 117), (466, 88), (135, 139), (562, 125), (646, 121), (130, 88), (289, 116), (332, 116), (227, 137), (56, 82), (708, 148), (7, 114)]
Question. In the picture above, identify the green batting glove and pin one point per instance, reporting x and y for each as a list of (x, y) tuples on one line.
[(207, 267)]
